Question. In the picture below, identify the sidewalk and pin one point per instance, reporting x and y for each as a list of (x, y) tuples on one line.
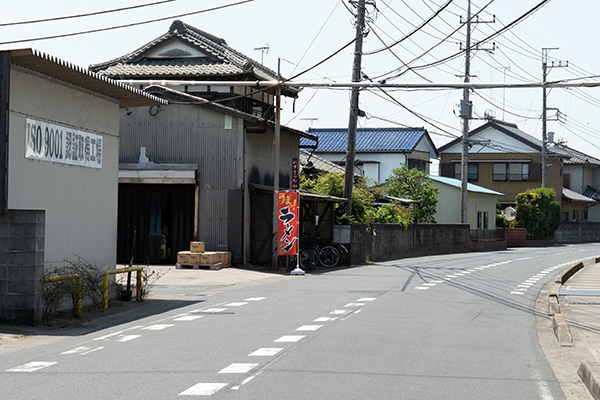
[(570, 338), (174, 288)]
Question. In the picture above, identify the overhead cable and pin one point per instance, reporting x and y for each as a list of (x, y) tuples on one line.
[(126, 25)]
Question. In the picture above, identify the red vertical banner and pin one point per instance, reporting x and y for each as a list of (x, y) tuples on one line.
[(287, 223), (295, 174)]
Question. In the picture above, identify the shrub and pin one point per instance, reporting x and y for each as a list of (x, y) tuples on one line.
[(538, 212)]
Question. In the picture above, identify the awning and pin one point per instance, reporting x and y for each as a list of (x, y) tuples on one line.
[(158, 174)]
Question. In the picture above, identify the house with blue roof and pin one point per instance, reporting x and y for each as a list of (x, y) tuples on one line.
[(378, 150)]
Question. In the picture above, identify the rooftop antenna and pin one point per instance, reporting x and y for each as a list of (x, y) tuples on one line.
[(262, 50), (311, 119)]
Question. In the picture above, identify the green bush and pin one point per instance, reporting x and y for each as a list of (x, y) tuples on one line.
[(415, 185), (538, 212)]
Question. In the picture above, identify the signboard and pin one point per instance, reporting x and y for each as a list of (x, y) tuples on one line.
[(287, 223), (60, 144), (295, 174)]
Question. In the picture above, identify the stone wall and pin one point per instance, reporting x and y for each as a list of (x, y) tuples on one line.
[(21, 266), (577, 232)]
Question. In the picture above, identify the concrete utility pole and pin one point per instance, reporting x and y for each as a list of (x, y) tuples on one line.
[(545, 71), (466, 107), (352, 124), (276, 156), (466, 111)]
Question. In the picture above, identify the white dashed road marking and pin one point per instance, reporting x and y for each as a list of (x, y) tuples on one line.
[(157, 327), (354, 305), (236, 304), (289, 338), (339, 312), (255, 299), (203, 389), (188, 318), (213, 310), (238, 368), (127, 338), (31, 366), (82, 350), (366, 299), (325, 319), (118, 333), (309, 327), (422, 287), (265, 352)]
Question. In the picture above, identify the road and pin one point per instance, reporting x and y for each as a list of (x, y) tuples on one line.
[(456, 326)]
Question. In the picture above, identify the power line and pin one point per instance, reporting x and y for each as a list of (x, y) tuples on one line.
[(126, 25), (497, 33), (418, 28), (85, 15)]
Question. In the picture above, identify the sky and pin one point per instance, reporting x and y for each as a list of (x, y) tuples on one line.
[(302, 33)]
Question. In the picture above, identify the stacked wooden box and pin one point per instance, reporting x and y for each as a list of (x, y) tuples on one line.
[(197, 257)]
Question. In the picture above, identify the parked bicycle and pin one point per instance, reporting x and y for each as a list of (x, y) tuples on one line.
[(315, 252)]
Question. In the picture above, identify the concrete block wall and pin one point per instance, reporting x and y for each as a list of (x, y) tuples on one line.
[(22, 266), (390, 242), (577, 232)]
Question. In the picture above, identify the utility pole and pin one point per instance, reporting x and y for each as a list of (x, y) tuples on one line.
[(352, 124), (466, 107), (276, 155), (545, 71), (466, 110)]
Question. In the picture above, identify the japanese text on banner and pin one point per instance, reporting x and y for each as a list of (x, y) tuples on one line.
[(287, 223)]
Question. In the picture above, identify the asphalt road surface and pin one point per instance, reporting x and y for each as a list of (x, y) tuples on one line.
[(456, 326)]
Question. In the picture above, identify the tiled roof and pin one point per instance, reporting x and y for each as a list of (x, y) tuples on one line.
[(318, 163), (591, 192), (574, 196), (509, 129), (576, 157), (222, 59), (401, 140)]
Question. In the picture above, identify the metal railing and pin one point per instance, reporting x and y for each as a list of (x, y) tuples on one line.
[(78, 295), (138, 286)]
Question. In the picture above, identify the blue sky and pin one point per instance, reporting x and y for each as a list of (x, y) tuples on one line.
[(302, 33)]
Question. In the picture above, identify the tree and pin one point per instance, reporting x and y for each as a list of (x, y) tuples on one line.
[(363, 198), (538, 212), (501, 222), (415, 185)]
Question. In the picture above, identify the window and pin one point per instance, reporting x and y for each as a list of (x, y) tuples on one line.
[(565, 216), (510, 172), (575, 215), (479, 219), (472, 174), (485, 220), (419, 165)]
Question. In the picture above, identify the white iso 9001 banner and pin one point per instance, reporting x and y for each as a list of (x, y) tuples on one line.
[(60, 144)]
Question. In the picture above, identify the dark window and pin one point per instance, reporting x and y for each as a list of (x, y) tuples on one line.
[(479, 220), (510, 172), (419, 165), (485, 220), (575, 215), (565, 216), (473, 173)]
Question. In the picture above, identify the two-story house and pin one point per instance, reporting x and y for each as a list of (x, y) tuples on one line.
[(206, 170), (581, 180), (504, 159), (378, 150)]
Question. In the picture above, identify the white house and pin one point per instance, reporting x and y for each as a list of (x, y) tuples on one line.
[(378, 150)]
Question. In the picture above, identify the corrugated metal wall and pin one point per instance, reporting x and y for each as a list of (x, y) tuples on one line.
[(184, 134)]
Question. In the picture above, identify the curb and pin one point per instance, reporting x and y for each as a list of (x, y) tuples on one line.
[(589, 372)]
